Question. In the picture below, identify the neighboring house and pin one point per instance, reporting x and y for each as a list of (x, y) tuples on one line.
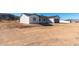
[(37, 19), (64, 21), (73, 20)]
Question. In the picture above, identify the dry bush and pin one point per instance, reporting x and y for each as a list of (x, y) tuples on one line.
[(8, 24)]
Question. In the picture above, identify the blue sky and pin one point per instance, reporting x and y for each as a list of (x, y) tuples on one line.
[(62, 15)]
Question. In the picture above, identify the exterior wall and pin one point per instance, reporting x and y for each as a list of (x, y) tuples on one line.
[(63, 21), (40, 20), (74, 21), (51, 20), (32, 21), (56, 21), (43, 20), (24, 19)]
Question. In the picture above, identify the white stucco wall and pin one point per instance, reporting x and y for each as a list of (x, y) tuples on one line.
[(24, 19), (51, 20), (29, 19), (63, 21), (32, 21)]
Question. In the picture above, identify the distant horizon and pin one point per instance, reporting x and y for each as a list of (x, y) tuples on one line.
[(63, 16)]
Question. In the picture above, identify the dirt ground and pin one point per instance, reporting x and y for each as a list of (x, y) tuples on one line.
[(57, 35)]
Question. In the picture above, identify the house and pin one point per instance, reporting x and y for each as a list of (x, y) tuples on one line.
[(54, 19), (27, 18), (64, 21), (73, 20)]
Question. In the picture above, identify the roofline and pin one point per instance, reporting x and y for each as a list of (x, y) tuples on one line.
[(39, 15)]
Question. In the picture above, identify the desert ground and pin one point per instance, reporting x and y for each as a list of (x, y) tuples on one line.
[(15, 34)]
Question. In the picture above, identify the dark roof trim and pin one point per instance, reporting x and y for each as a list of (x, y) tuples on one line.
[(28, 14)]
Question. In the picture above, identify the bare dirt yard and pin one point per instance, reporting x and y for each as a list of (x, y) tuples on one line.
[(15, 34)]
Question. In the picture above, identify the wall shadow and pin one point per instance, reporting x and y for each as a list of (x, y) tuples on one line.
[(47, 23)]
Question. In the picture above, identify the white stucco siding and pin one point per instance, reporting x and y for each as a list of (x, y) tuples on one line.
[(24, 19), (51, 20), (32, 21), (63, 21)]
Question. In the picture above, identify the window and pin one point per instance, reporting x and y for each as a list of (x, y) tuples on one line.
[(44, 19), (34, 19), (39, 19)]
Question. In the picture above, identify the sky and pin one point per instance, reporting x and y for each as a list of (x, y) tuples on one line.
[(63, 16)]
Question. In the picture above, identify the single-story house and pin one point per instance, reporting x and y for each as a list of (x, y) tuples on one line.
[(27, 18), (64, 21), (73, 20)]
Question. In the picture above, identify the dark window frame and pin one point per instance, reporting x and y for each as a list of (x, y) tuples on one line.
[(39, 19), (44, 19), (34, 19)]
